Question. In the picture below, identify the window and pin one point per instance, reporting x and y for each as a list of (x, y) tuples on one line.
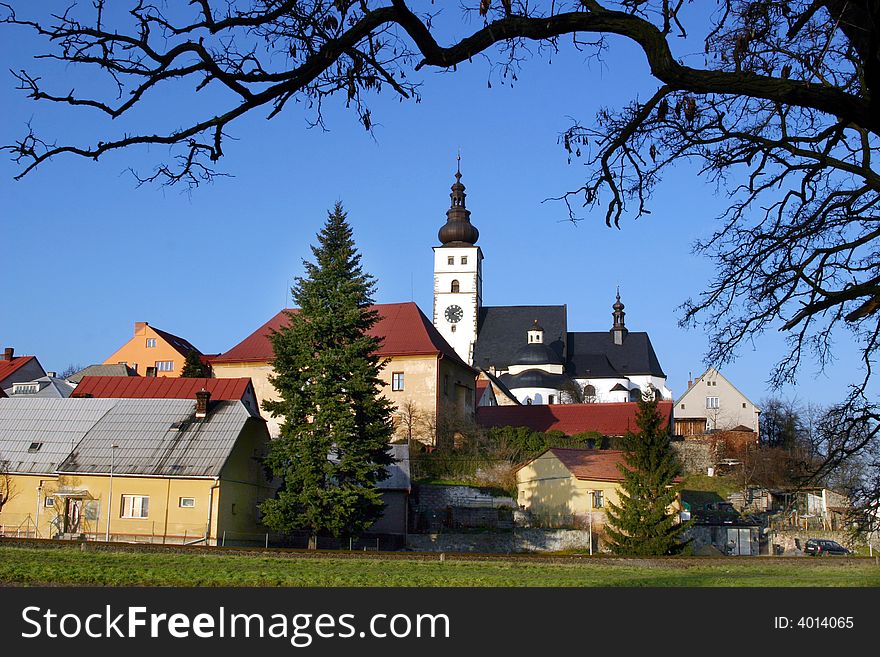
[(164, 365), (233, 508), (49, 501), (682, 407), (711, 402), (135, 506), (452, 328), (589, 390), (151, 371), (450, 260), (25, 388), (446, 385), (464, 260), (598, 499), (34, 447), (744, 404), (454, 288), (551, 399), (151, 343), (397, 381), (187, 502)]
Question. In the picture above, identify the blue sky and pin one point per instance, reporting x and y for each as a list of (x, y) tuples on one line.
[(87, 253)]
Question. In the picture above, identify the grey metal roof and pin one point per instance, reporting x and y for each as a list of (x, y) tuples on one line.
[(502, 331), (536, 379), (48, 388), (102, 370), (398, 471), (159, 437), (59, 424)]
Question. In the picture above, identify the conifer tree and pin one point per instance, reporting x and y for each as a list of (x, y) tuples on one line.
[(333, 442), (642, 524), (193, 368)]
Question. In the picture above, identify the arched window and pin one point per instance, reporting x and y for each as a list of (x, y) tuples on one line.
[(635, 395), (589, 390), (454, 286)]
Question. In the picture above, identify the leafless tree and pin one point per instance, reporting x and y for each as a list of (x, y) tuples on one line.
[(781, 111), (7, 486), (410, 420)]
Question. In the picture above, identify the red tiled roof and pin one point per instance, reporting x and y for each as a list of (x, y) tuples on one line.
[(404, 328), (592, 464), (144, 387), (7, 367), (607, 419)]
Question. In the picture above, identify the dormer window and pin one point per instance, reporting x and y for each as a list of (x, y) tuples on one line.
[(25, 389), (34, 447)]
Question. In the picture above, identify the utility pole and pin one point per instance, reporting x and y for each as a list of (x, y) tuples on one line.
[(592, 494), (113, 447)]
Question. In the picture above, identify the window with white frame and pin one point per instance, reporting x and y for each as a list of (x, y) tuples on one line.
[(598, 499), (397, 381), (135, 506), (151, 343), (49, 501), (712, 402), (187, 502), (450, 260), (164, 365), (464, 260)]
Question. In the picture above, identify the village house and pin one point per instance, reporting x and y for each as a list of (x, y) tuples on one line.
[(423, 376), (713, 403), (154, 470), (153, 352), (18, 369)]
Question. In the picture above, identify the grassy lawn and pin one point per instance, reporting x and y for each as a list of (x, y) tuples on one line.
[(64, 566)]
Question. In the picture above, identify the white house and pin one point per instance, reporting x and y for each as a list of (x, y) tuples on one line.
[(712, 403)]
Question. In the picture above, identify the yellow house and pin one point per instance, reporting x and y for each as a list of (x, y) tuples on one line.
[(564, 487), (152, 470), (561, 487), (426, 380), (153, 352)]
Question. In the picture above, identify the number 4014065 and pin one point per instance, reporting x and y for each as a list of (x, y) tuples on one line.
[(814, 622)]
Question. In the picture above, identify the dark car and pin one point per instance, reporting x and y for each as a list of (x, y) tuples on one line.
[(821, 547)]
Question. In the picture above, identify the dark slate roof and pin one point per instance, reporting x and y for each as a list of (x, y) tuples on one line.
[(502, 331), (501, 387), (634, 356), (536, 353), (535, 379)]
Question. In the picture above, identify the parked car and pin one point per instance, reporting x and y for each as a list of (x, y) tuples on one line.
[(822, 547)]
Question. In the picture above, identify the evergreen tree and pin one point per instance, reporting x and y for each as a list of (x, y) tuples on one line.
[(333, 444), (193, 368), (642, 524)]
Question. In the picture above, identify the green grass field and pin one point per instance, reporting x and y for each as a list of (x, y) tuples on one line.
[(72, 567)]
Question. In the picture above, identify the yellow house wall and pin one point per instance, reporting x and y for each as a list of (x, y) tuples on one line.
[(20, 512), (136, 353), (554, 496), (420, 387)]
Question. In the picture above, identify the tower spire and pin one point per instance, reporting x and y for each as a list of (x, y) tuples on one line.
[(458, 230), (618, 329)]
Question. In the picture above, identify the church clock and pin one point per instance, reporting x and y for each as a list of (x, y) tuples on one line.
[(454, 313)]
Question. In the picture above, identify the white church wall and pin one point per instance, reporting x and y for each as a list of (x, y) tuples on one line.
[(536, 396)]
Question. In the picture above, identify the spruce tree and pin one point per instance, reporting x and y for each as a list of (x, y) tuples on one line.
[(642, 524), (193, 368), (333, 443)]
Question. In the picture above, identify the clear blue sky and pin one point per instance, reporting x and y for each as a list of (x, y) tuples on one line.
[(86, 253)]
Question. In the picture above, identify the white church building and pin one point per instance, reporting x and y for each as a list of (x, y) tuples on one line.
[(529, 349)]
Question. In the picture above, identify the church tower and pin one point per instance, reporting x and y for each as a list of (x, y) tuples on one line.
[(458, 276)]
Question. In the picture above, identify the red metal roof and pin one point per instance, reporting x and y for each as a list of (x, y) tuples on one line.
[(144, 387), (607, 419), (7, 367), (404, 328)]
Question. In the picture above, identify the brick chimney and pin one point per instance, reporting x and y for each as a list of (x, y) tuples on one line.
[(202, 399), (8, 353), (690, 379)]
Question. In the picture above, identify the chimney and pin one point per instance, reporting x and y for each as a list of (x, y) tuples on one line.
[(7, 353), (690, 379), (202, 399), (52, 375), (140, 328)]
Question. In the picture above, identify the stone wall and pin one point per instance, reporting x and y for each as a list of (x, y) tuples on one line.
[(696, 456), (437, 507), (791, 542), (432, 497), (520, 540)]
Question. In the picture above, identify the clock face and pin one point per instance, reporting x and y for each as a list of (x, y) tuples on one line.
[(454, 314)]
